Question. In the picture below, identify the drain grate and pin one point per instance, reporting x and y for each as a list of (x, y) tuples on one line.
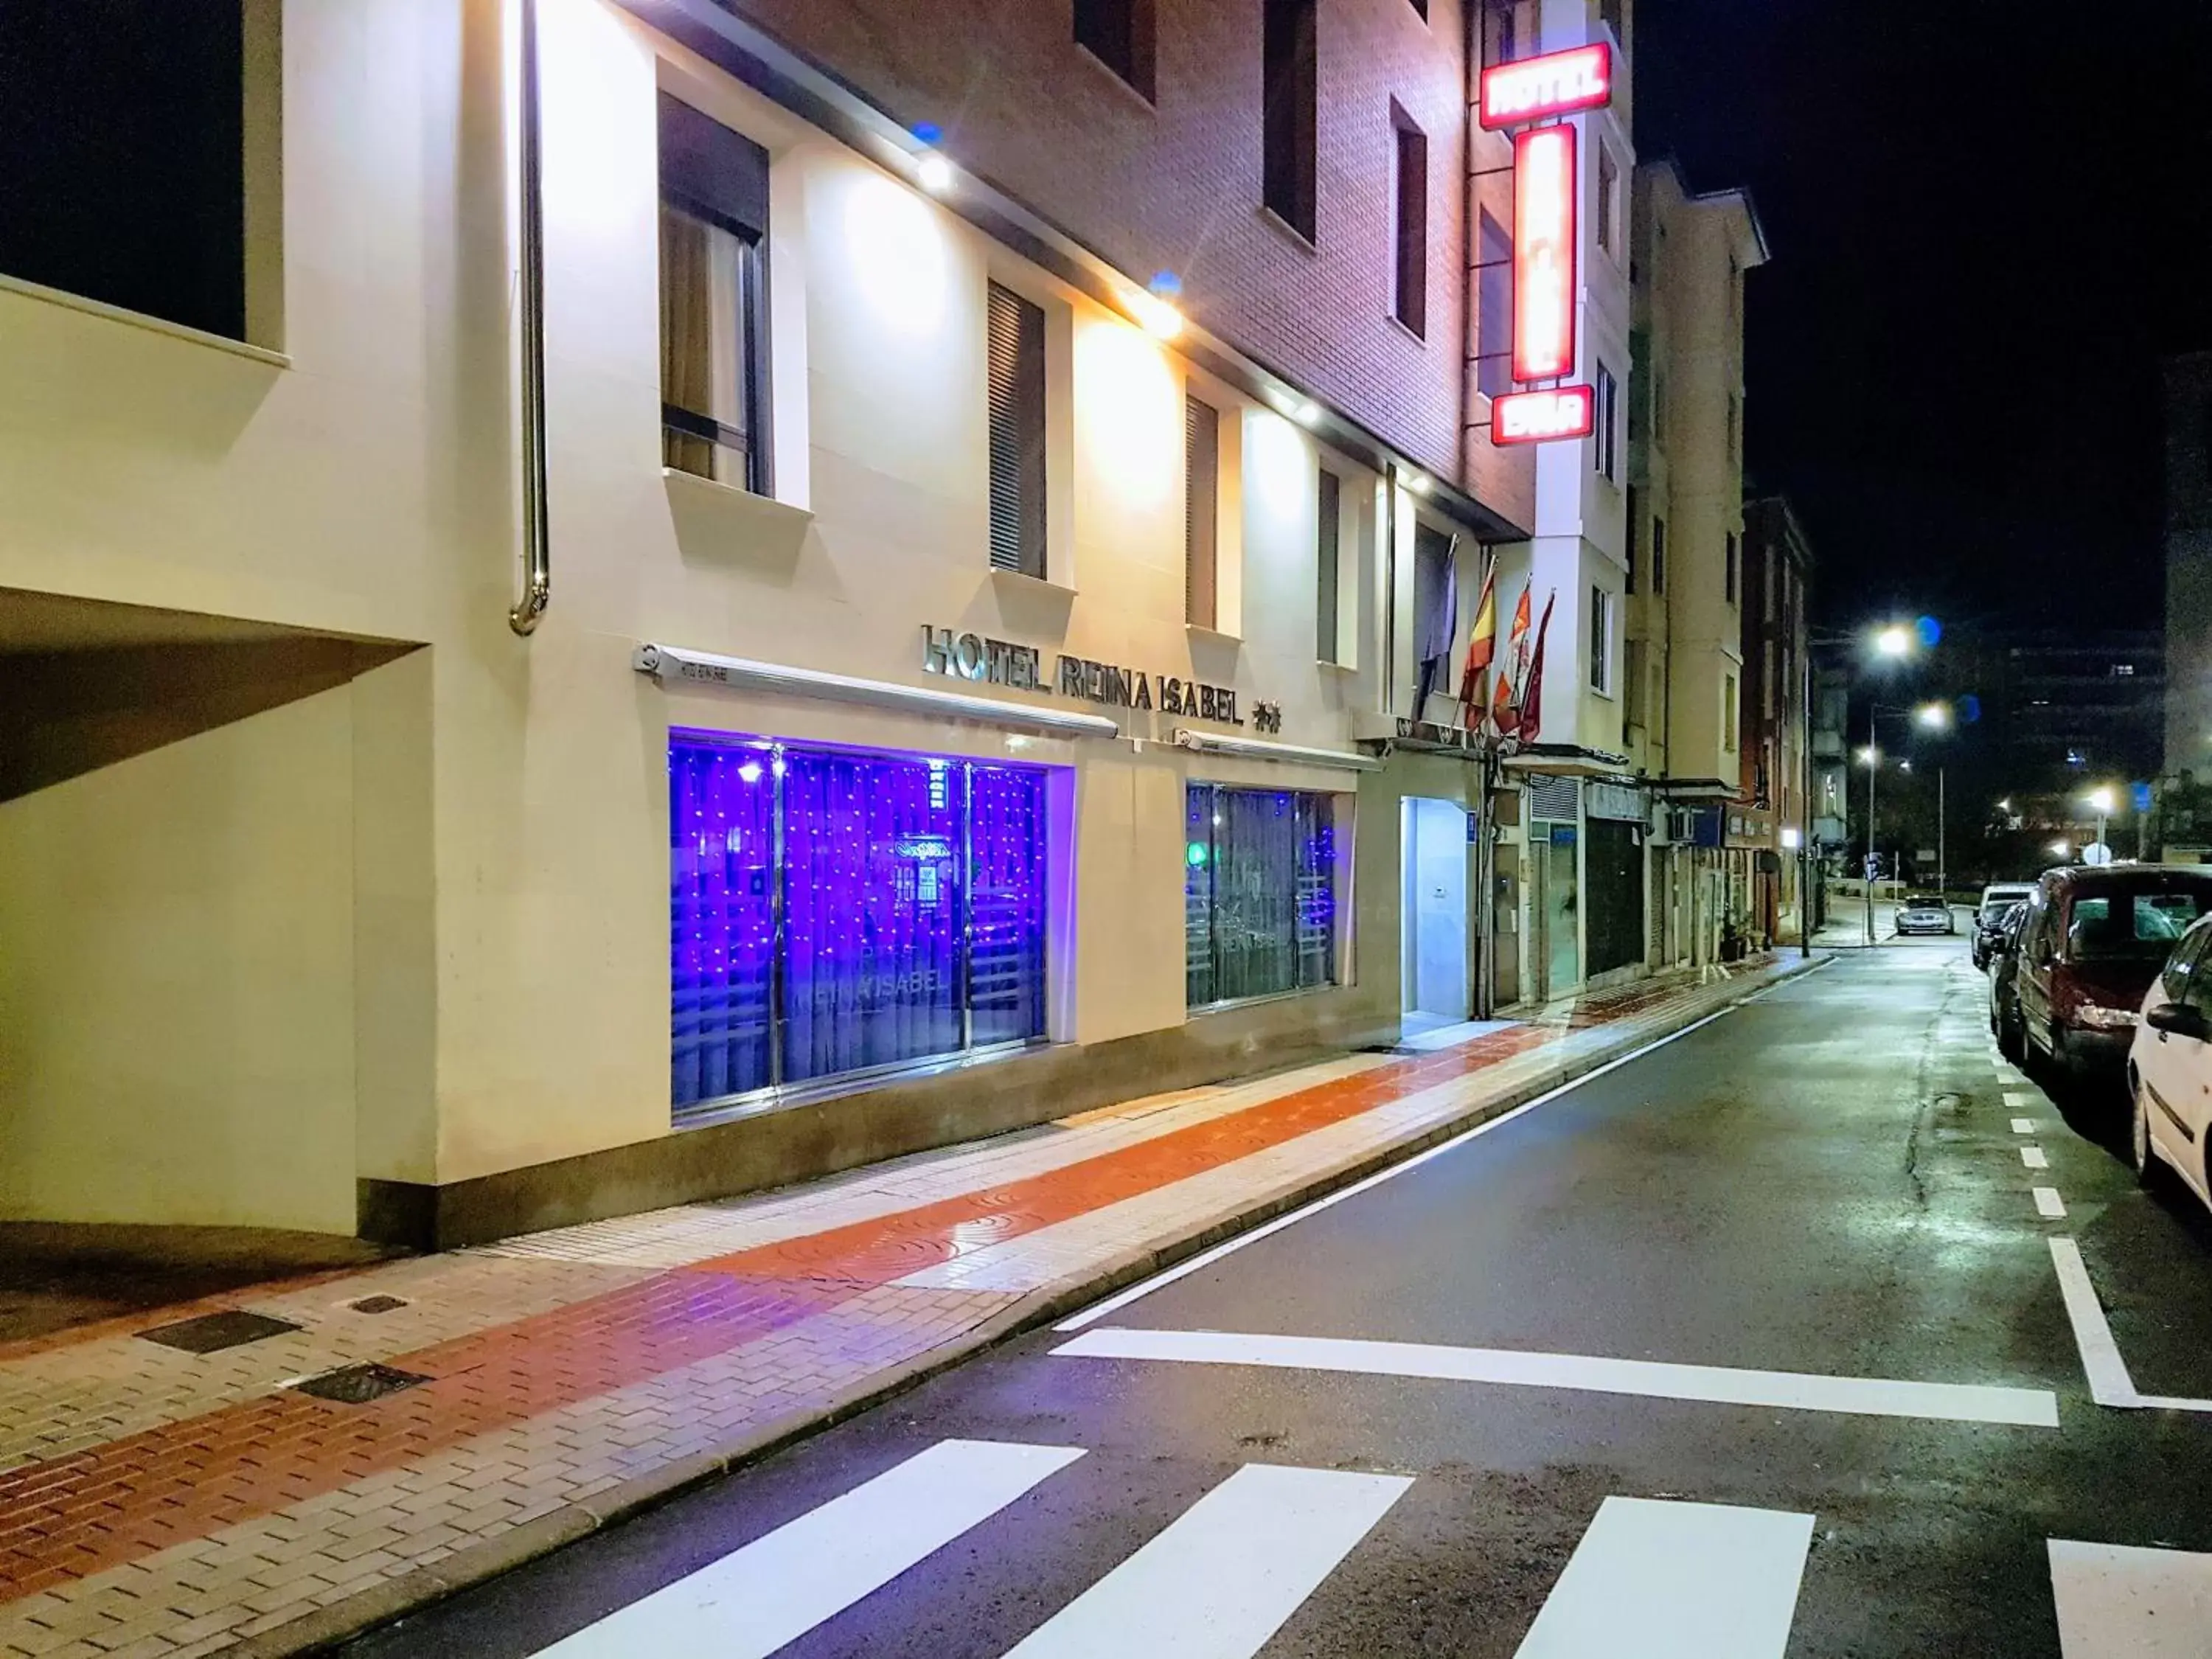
[(373, 1304), (357, 1385), (212, 1333)]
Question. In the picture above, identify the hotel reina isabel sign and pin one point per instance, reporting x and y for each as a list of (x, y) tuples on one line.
[(1547, 249)]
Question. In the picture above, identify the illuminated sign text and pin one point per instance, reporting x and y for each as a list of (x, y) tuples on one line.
[(1544, 253), (1536, 89), (1534, 417)]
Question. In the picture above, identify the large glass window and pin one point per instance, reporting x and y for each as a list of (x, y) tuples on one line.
[(834, 912), (1259, 893)]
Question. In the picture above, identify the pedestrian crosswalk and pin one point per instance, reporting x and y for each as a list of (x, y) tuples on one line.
[(1650, 1578)]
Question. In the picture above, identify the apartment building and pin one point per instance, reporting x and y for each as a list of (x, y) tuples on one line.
[(708, 594), (2186, 795), (1776, 722), (1683, 724)]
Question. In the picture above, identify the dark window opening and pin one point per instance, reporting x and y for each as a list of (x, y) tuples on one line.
[(1658, 556), (124, 127), (1411, 305), (1493, 366), (1635, 531), (1731, 575), (1120, 34), (1201, 446), (713, 221), (1327, 593), (1290, 67), (1606, 437), (1015, 376)]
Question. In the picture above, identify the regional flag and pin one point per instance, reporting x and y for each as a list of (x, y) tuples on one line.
[(1483, 645)]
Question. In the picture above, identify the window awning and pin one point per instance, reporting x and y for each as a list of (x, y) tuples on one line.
[(673, 666), (1291, 754)]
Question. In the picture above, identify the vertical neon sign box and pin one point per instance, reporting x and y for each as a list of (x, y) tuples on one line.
[(1544, 253)]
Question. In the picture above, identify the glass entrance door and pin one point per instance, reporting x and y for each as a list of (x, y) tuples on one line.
[(1562, 911)]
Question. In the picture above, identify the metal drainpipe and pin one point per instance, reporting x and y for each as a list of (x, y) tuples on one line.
[(537, 554)]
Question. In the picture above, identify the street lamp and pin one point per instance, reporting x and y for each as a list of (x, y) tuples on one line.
[(2104, 803), (1894, 642)]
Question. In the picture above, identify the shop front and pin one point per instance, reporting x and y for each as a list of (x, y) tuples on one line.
[(838, 913)]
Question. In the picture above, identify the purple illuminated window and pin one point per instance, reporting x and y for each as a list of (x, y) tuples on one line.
[(1259, 893), (908, 893)]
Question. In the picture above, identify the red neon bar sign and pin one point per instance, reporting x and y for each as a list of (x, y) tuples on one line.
[(1535, 417), (1544, 253), (1537, 89)]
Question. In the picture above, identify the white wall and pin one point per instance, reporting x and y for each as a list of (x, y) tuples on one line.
[(177, 982)]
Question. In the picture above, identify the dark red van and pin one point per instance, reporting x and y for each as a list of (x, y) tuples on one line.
[(2093, 942)]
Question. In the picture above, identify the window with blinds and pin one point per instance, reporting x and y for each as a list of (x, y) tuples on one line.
[(1016, 378), (713, 358), (1201, 502)]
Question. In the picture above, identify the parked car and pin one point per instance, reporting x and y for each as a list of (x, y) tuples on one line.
[(1990, 923), (1999, 894), (2169, 1067), (2094, 941), (2004, 990), (1926, 913)]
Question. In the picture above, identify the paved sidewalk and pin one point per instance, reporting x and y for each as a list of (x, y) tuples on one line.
[(157, 1501)]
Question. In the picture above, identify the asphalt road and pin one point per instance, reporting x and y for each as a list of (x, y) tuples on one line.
[(1820, 1188)]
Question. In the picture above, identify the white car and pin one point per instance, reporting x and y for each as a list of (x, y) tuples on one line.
[(2170, 1066)]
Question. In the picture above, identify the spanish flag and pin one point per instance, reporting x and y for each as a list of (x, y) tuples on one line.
[(1483, 644)]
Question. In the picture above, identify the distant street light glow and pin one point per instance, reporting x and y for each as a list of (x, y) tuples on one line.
[(1934, 716), (1894, 642), (2060, 849), (2103, 800), (1869, 756)]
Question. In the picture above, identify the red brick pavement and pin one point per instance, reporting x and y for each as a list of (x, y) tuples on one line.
[(71, 1517)]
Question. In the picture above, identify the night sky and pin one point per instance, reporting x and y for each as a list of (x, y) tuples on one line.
[(1988, 222)]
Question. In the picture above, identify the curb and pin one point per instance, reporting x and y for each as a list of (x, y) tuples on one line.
[(326, 1628)]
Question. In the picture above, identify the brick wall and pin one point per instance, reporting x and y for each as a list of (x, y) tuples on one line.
[(1175, 184)]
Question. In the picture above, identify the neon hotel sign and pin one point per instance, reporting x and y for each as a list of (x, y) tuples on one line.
[(1546, 190)]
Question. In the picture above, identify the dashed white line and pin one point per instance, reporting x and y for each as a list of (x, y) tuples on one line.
[(2049, 1203), (2117, 1603), (2034, 1158), (2014, 1099), (2023, 1126), (2109, 1381)]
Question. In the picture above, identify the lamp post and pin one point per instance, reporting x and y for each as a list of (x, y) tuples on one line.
[(1937, 717)]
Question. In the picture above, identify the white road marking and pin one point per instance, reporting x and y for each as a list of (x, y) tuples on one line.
[(2023, 1126), (1866, 1396), (777, 1588), (2014, 1100), (2115, 1602), (1227, 1573), (2048, 1203), (1676, 1581), (2034, 1158), (2109, 1381)]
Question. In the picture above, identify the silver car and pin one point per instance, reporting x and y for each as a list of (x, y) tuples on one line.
[(1925, 912)]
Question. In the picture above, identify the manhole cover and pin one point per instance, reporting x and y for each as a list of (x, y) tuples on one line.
[(377, 1303), (212, 1333), (356, 1385)]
